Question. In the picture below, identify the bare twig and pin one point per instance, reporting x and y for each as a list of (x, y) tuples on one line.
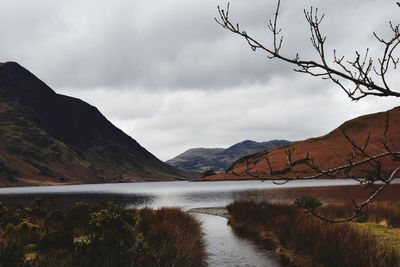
[(362, 72), (357, 71)]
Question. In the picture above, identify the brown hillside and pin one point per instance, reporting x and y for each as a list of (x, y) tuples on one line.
[(328, 151)]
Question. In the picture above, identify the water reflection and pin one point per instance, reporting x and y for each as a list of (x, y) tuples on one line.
[(169, 188), (227, 249), (189, 195)]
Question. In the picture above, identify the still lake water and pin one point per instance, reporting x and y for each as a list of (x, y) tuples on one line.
[(181, 194), (225, 248)]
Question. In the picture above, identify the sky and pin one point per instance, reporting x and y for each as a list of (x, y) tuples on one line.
[(169, 76)]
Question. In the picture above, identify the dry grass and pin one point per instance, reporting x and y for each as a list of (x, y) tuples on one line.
[(174, 238), (378, 212), (389, 236), (325, 244)]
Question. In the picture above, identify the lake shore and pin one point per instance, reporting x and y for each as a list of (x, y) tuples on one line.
[(216, 211)]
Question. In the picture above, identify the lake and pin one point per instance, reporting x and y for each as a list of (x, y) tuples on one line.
[(225, 248)]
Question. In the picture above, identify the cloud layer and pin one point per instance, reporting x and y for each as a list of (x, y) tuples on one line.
[(167, 74)]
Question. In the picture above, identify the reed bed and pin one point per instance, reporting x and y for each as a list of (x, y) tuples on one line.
[(379, 212), (310, 241)]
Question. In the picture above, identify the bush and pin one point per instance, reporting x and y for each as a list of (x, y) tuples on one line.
[(11, 256), (308, 202), (103, 235), (112, 238)]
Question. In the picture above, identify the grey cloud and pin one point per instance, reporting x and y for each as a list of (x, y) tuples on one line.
[(167, 74), (167, 44), (172, 122)]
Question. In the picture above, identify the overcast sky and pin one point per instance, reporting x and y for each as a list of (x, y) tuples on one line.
[(169, 76)]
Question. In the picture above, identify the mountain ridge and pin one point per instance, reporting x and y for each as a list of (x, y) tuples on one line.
[(219, 159), (52, 138)]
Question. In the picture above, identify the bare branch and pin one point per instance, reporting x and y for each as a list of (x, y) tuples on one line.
[(358, 78), (361, 208), (357, 71), (357, 158)]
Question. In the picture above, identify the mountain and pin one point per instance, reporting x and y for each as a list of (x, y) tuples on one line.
[(219, 159), (328, 151), (51, 138)]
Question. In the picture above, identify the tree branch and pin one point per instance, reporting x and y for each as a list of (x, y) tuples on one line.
[(357, 71)]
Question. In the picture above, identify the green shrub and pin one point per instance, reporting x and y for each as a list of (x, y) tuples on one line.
[(11, 256), (308, 202), (103, 235)]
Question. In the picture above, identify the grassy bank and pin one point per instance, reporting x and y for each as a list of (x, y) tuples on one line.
[(98, 235), (303, 240)]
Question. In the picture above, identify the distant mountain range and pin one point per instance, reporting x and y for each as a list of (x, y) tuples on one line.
[(50, 138), (220, 159), (329, 151)]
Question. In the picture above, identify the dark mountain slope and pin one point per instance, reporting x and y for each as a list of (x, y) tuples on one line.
[(47, 137)]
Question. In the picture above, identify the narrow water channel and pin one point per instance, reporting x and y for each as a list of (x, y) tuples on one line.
[(225, 248)]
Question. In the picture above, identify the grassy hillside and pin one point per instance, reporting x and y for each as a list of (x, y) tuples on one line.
[(328, 151)]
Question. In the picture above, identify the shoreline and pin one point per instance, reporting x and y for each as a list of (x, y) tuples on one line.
[(215, 211), (38, 183)]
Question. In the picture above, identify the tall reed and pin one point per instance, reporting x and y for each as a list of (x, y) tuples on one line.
[(326, 244)]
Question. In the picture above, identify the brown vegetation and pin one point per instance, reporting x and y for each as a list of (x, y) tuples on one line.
[(174, 238), (328, 151), (380, 212), (303, 240)]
